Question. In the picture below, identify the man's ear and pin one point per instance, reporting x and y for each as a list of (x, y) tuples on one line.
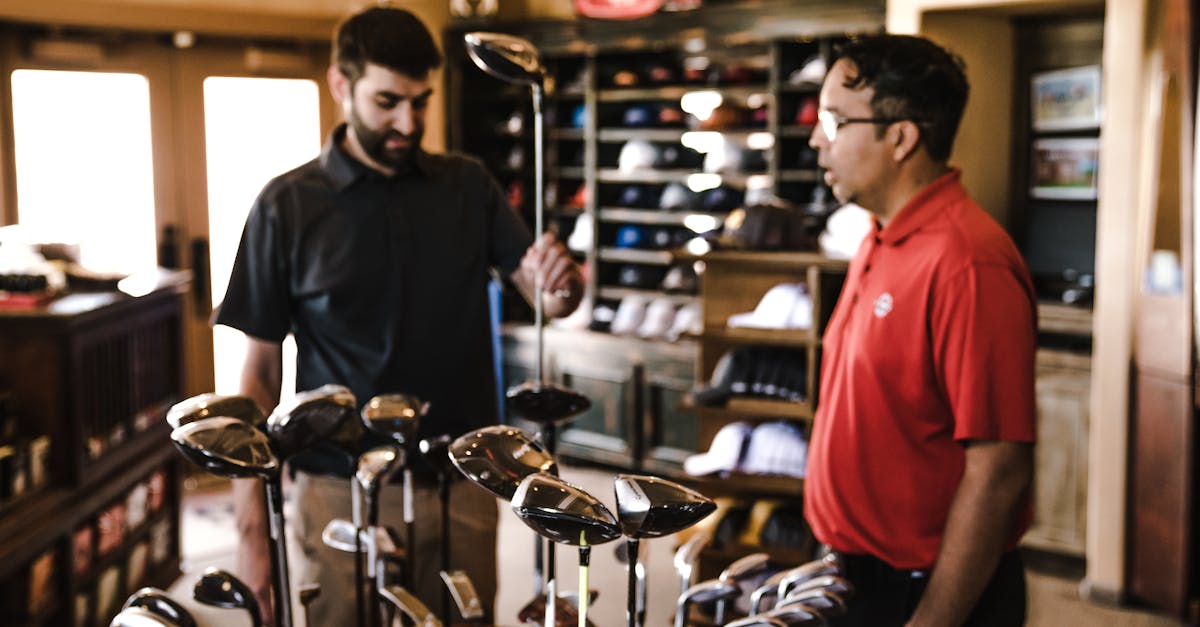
[(905, 136), (339, 85)]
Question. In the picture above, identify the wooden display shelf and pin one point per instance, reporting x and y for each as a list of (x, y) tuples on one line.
[(1055, 318), (796, 338), (799, 175), (675, 92), (652, 216), (618, 293), (120, 554), (741, 484), (635, 255), (795, 130), (570, 134), (615, 175)]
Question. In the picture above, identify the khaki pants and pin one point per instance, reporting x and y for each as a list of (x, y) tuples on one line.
[(313, 500)]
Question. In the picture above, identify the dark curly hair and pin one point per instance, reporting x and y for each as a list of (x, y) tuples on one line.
[(391, 37), (914, 79)]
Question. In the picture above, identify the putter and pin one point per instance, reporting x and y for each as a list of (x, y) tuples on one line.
[(217, 588), (398, 416), (140, 617), (566, 514), (740, 570), (649, 507), (230, 447), (410, 606), (158, 602), (703, 592), (209, 405)]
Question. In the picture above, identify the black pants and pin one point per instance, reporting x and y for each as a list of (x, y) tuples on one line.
[(887, 597)]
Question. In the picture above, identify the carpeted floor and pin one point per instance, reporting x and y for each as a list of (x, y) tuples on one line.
[(208, 540)]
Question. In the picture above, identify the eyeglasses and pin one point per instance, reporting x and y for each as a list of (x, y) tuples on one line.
[(831, 122)]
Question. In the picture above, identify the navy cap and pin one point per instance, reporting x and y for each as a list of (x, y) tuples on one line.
[(640, 115), (630, 236)]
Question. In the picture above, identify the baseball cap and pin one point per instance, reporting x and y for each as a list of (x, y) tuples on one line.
[(640, 115), (636, 154), (844, 231), (812, 73), (579, 116), (676, 156), (581, 237), (784, 306), (660, 313), (687, 320), (776, 448), (630, 236), (681, 278), (730, 376), (721, 199), (678, 197), (806, 113), (602, 316), (725, 452), (630, 314), (635, 196)]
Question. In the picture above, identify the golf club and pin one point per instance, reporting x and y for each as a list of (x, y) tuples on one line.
[(375, 467), (398, 416), (217, 588), (827, 603), (649, 507), (830, 564), (229, 447), (769, 588), (703, 592), (410, 606), (686, 557), (566, 514), (741, 570), (209, 405), (158, 602), (832, 583), (435, 452), (309, 418)]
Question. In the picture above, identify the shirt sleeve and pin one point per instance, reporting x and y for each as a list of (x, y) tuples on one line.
[(256, 301), (985, 338), (509, 236)]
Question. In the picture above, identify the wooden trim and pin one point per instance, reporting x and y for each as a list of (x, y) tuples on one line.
[(150, 17)]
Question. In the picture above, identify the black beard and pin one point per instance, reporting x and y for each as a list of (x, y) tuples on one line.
[(373, 142)]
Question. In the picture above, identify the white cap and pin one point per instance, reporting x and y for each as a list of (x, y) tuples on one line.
[(725, 452), (581, 237), (776, 448), (813, 72), (659, 316), (687, 320), (785, 306), (844, 231), (630, 314), (636, 154)]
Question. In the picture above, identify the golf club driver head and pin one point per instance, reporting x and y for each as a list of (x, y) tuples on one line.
[(377, 465), (498, 458), (227, 447), (649, 507), (309, 418), (545, 403), (562, 512), (218, 588), (397, 416), (210, 404), (508, 58), (140, 617), (436, 452), (157, 601)]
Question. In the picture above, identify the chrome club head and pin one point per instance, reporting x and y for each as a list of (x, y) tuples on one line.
[(209, 405), (649, 507), (310, 418), (498, 458), (508, 58), (227, 447), (562, 512)]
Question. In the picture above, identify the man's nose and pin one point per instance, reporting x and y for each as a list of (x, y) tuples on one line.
[(817, 138), (403, 121)]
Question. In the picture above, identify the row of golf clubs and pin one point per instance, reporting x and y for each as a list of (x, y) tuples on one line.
[(229, 436)]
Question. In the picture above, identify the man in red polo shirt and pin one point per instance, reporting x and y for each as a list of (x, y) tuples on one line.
[(922, 447)]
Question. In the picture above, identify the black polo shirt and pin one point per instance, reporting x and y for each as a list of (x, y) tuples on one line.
[(382, 281)]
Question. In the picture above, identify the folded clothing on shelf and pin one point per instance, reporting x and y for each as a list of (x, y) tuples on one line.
[(779, 373)]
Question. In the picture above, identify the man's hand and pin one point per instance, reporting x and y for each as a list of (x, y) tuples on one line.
[(562, 285)]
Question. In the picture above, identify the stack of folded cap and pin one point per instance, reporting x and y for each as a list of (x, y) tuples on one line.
[(769, 226), (785, 527), (756, 371), (687, 321), (629, 315), (582, 236), (660, 314), (603, 315), (784, 306), (771, 448), (681, 278), (637, 154)]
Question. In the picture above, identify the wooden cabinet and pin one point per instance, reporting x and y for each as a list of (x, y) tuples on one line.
[(96, 372), (1060, 481)]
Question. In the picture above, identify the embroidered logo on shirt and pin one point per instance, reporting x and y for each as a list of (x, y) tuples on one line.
[(883, 305)]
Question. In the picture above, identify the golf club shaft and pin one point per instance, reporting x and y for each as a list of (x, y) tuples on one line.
[(356, 507), (539, 202), (585, 554), (410, 533), (283, 589), (551, 602), (375, 606), (631, 600)]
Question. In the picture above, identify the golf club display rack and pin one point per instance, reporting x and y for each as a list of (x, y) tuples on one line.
[(96, 372), (640, 420)]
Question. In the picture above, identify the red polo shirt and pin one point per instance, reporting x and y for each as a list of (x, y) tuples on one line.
[(931, 344)]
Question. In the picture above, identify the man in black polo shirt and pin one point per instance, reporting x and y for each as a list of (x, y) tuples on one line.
[(375, 256)]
